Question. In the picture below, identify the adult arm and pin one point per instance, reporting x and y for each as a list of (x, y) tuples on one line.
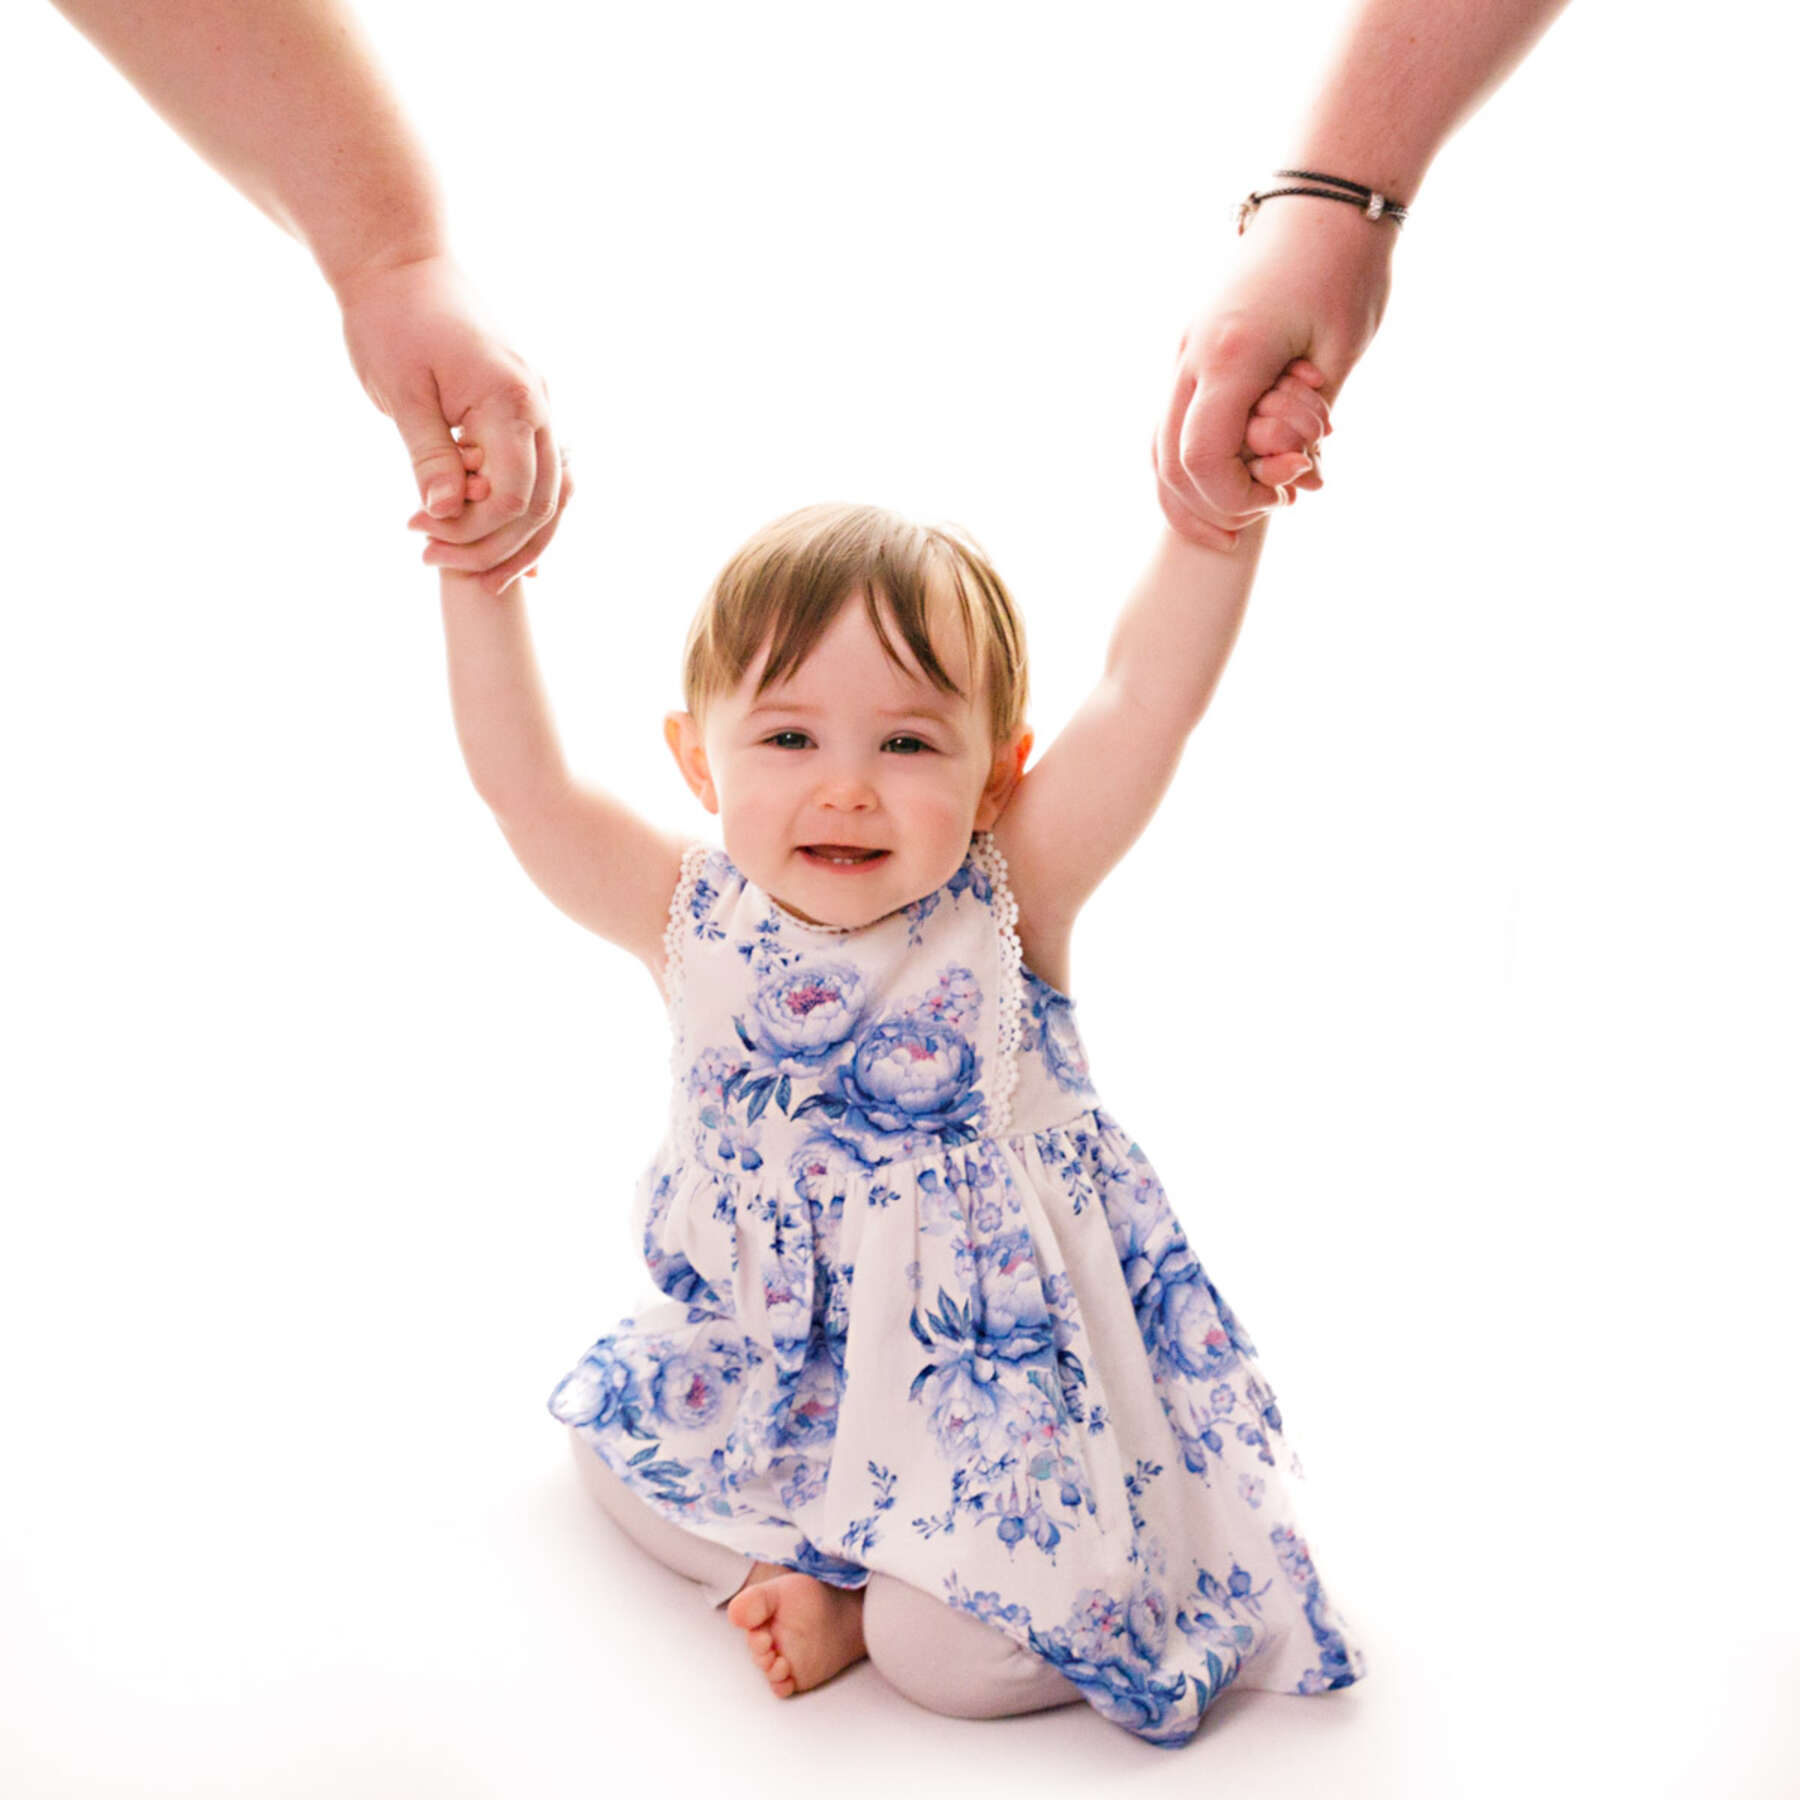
[(286, 100), (1313, 276)]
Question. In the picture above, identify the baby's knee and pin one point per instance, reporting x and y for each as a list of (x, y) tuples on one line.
[(720, 1571), (595, 1476), (950, 1661)]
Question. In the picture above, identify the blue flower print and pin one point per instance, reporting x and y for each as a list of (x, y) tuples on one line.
[(1177, 1310), (1184, 1323), (1192, 1336), (1241, 1586), (1012, 1297), (1183, 1317), (1017, 1329), (706, 896), (1066, 1333), (909, 1074), (955, 1000), (1051, 1032), (688, 1391), (680, 1280), (1026, 1518), (916, 914), (1100, 1648), (1257, 1391), (804, 1485), (966, 1405), (834, 1571), (787, 1285), (971, 879), (908, 1083), (1265, 1418), (670, 1269), (807, 1412), (804, 1014), (992, 1402), (968, 879), (862, 1535), (1213, 1611), (763, 950), (1147, 1623), (727, 1141), (1339, 1665), (1083, 1163), (940, 1215), (600, 1390), (820, 1171), (986, 1605)]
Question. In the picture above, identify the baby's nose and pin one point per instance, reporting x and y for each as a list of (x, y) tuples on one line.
[(846, 790)]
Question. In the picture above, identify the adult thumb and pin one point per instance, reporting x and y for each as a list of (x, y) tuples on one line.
[(437, 463)]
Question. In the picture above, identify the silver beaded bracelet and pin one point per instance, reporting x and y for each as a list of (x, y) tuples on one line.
[(1373, 206)]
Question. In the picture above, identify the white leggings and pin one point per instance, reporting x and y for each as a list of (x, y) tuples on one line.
[(936, 1656)]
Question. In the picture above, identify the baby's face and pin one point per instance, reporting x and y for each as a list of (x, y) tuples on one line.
[(852, 787)]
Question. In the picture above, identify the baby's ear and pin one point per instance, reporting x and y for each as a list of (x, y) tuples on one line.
[(1003, 778), (681, 732)]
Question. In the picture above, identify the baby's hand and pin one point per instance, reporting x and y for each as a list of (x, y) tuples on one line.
[(476, 488), (1281, 442), (475, 484)]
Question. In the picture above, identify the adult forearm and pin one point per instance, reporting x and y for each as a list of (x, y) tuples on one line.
[(1406, 74), (285, 99), (497, 696)]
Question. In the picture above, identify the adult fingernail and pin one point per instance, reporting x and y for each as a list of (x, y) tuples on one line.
[(441, 498)]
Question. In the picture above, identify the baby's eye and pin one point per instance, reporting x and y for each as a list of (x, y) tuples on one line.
[(907, 746), (788, 740)]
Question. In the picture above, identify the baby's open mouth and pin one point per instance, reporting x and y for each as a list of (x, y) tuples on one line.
[(842, 855)]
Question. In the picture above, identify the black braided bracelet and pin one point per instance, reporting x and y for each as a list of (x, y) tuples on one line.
[(1373, 206)]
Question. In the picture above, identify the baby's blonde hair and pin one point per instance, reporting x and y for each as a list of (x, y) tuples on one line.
[(793, 578)]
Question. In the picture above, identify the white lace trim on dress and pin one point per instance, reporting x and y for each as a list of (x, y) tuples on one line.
[(991, 860), (681, 903)]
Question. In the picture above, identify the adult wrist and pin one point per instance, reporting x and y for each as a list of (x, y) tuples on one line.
[(350, 274), (1383, 210), (1326, 228)]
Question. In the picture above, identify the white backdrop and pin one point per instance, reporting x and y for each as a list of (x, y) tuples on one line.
[(1453, 991)]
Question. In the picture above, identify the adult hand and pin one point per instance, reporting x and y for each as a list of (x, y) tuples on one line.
[(1312, 283), (430, 361)]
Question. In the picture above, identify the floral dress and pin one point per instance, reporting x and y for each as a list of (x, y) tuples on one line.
[(923, 1308)]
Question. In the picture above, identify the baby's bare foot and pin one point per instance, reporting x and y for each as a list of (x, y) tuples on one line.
[(801, 1631)]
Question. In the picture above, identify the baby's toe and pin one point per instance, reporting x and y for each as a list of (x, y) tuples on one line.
[(749, 1608)]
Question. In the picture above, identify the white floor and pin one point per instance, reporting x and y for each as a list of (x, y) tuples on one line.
[(252, 1627)]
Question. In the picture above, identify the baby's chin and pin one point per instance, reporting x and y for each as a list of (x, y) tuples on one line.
[(844, 896)]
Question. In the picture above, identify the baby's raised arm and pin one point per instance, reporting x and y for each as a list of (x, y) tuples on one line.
[(1084, 803), (597, 860)]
